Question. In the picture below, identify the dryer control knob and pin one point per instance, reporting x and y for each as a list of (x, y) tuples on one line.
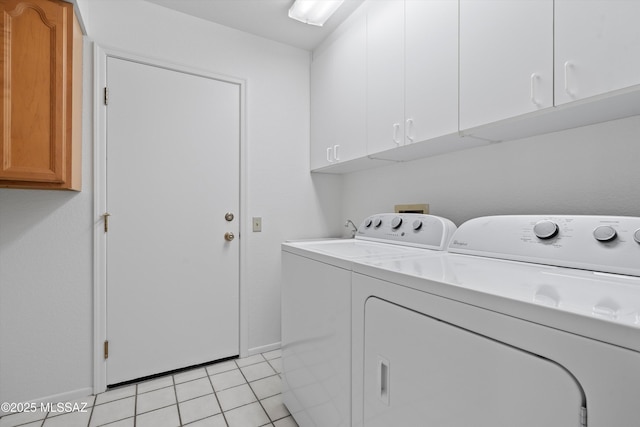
[(396, 222), (368, 222), (604, 233), (636, 235), (377, 222), (545, 229), (417, 224)]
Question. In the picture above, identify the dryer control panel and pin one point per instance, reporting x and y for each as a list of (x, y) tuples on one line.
[(599, 243), (419, 230)]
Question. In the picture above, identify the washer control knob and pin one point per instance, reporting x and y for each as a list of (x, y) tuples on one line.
[(417, 224), (636, 235), (377, 222), (604, 233), (396, 223), (545, 229), (368, 222)]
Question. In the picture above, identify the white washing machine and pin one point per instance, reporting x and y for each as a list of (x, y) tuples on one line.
[(527, 321), (316, 309)]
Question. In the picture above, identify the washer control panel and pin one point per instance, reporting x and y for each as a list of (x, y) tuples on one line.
[(419, 230), (599, 243)]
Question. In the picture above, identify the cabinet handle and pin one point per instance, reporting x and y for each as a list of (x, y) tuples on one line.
[(532, 93), (396, 131), (329, 159), (567, 65), (336, 153), (410, 130), (383, 380)]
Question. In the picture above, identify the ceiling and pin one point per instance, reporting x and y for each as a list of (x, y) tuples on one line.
[(264, 18)]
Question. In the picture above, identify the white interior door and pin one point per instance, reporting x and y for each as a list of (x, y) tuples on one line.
[(172, 169)]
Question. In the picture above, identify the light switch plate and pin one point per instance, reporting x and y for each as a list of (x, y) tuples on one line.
[(257, 224)]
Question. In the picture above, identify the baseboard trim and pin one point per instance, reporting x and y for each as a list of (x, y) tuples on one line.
[(263, 348)]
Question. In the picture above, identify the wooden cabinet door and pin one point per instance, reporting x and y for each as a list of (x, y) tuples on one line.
[(506, 59), (37, 75), (338, 93), (597, 47), (385, 75)]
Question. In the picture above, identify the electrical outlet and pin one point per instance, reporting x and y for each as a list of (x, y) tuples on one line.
[(257, 224)]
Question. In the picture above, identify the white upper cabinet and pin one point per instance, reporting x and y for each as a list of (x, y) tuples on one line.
[(431, 69), (597, 47), (385, 75), (506, 59), (405, 79), (338, 96), (412, 66)]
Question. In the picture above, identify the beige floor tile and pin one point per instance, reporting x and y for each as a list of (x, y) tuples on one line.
[(215, 421), (274, 407), (217, 368), (272, 354), (21, 418), (227, 380), (267, 387), (251, 415), (72, 419), (257, 371), (193, 389), (236, 396), (115, 394), (165, 417), (193, 374), (251, 360), (276, 364), (155, 384), (112, 411), (196, 409), (286, 422), (155, 400)]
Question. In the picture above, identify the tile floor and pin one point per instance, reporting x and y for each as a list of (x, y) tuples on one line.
[(235, 393)]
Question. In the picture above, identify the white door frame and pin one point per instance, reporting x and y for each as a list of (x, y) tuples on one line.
[(100, 182)]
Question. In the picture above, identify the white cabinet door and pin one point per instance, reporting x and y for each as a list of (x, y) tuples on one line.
[(338, 96), (412, 72), (506, 59), (385, 75), (431, 69), (597, 47), (419, 371)]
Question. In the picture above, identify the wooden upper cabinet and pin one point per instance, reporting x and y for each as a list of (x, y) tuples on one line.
[(41, 108)]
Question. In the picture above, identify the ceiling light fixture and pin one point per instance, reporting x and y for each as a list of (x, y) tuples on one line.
[(313, 12)]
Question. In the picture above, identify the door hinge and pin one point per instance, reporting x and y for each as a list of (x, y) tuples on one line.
[(583, 417), (105, 217), (106, 349), (106, 96)]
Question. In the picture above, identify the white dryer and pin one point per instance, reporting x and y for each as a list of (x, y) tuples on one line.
[(527, 321), (316, 309)]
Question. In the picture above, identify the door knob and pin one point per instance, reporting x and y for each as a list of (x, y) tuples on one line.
[(228, 236)]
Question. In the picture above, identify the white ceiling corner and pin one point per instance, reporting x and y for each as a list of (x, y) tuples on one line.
[(264, 18)]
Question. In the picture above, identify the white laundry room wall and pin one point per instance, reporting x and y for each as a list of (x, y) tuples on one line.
[(46, 237), (589, 170)]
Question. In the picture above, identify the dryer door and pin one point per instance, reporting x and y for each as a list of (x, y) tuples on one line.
[(419, 371)]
